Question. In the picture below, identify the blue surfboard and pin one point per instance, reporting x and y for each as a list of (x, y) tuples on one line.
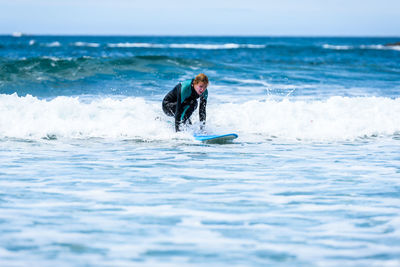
[(215, 138)]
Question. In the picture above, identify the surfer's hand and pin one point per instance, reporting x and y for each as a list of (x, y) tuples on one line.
[(202, 129)]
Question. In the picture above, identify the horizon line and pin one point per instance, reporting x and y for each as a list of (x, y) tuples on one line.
[(21, 34)]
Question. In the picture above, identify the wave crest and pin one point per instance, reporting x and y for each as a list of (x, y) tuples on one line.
[(364, 47), (187, 46)]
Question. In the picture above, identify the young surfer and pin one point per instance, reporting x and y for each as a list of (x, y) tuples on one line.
[(181, 101)]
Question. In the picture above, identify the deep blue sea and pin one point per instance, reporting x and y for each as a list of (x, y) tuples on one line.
[(92, 172)]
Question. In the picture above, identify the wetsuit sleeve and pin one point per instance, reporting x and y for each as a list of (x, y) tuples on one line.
[(178, 111), (202, 112)]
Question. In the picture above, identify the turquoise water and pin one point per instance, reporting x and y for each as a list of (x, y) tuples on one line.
[(93, 174)]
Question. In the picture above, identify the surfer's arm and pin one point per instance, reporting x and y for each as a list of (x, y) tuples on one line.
[(202, 112), (178, 111)]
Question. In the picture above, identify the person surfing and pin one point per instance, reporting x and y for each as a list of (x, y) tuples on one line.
[(182, 101)]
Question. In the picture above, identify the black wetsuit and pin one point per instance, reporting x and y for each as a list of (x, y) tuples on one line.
[(181, 101)]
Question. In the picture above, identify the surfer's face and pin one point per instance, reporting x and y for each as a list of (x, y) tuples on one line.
[(200, 88)]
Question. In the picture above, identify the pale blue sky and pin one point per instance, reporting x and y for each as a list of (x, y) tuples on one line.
[(207, 17)]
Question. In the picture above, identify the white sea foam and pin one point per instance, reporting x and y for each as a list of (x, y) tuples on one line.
[(29, 117), (338, 47), (381, 47), (136, 45), (206, 46), (248, 81), (58, 58), (84, 44), (187, 46), (370, 47), (266, 84), (53, 44), (337, 118)]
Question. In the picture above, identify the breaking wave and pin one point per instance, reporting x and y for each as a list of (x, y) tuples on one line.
[(187, 46), (368, 47), (337, 118)]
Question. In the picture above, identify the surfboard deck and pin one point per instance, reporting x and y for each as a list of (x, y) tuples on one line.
[(215, 138)]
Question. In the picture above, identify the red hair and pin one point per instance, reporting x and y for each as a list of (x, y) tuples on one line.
[(201, 78)]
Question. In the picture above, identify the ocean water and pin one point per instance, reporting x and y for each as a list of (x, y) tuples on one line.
[(93, 174)]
